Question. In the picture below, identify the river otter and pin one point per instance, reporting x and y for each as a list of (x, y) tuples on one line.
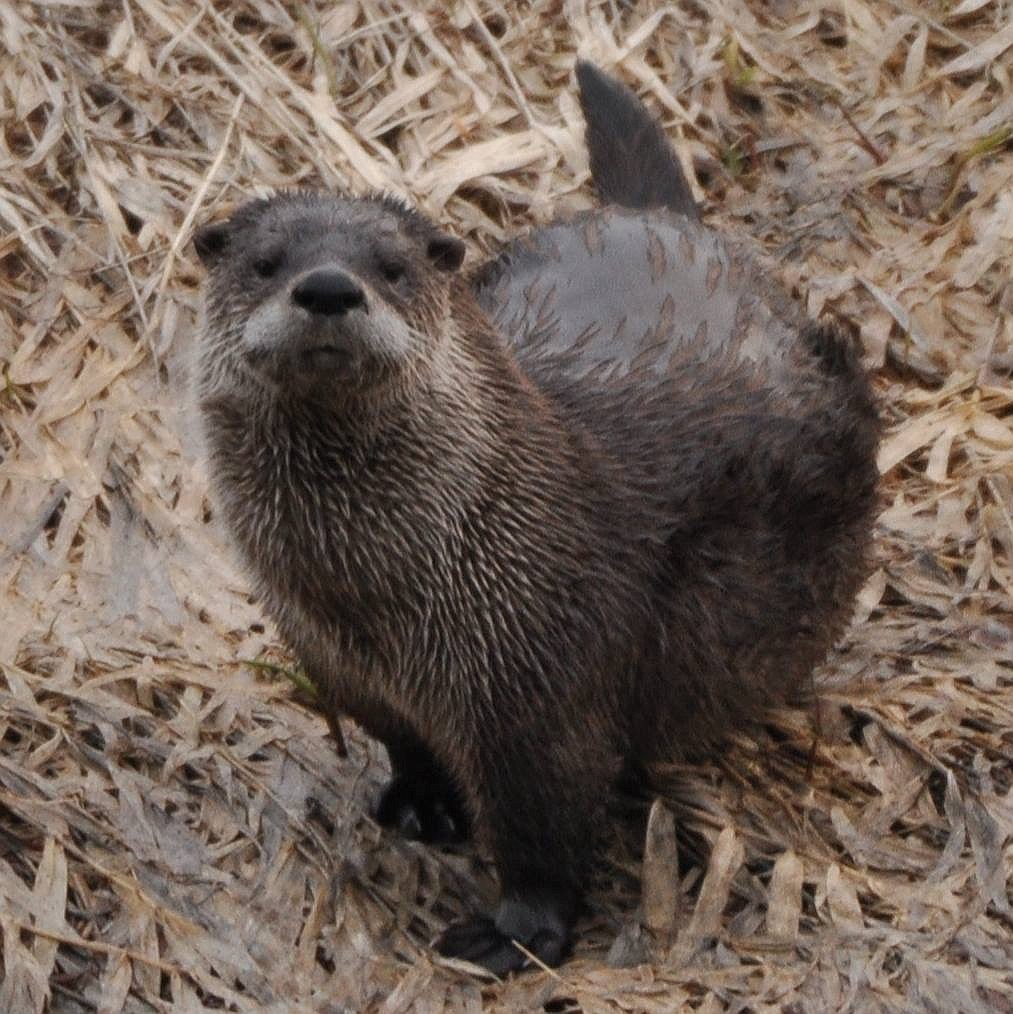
[(594, 505)]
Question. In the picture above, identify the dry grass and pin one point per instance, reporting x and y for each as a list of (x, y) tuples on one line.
[(175, 830)]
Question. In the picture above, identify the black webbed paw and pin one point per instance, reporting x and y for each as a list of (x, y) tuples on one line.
[(540, 928), (420, 812)]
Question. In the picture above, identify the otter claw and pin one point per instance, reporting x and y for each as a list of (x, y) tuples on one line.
[(420, 814)]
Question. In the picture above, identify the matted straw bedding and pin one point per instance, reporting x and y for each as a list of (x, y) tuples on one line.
[(176, 828)]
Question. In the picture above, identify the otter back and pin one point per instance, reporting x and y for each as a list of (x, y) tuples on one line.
[(616, 289)]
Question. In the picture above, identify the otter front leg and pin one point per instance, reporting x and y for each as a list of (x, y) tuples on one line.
[(420, 800), (542, 812)]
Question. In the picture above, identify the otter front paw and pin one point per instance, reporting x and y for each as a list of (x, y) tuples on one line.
[(421, 812), (488, 942)]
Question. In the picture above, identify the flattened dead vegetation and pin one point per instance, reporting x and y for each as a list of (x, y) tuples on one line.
[(176, 829)]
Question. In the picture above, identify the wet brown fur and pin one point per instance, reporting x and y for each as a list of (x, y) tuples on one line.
[(519, 569)]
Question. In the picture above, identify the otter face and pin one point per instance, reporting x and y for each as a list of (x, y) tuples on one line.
[(313, 292)]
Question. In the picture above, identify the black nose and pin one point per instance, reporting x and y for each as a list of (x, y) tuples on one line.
[(328, 292)]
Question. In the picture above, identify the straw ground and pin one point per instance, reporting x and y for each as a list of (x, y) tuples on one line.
[(176, 828)]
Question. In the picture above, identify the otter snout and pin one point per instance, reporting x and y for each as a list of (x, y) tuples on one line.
[(324, 325), (328, 292)]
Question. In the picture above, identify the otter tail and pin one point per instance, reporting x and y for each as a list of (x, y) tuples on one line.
[(632, 163)]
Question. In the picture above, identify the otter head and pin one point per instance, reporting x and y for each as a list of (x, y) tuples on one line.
[(311, 293)]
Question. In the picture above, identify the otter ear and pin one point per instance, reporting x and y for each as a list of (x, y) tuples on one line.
[(211, 240), (446, 252)]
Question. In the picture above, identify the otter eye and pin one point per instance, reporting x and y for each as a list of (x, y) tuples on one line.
[(392, 271), (267, 267)]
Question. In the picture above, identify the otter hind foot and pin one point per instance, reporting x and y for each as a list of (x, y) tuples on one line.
[(423, 812), (540, 928)]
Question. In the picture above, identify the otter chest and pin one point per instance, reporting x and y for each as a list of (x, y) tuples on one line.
[(351, 548)]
